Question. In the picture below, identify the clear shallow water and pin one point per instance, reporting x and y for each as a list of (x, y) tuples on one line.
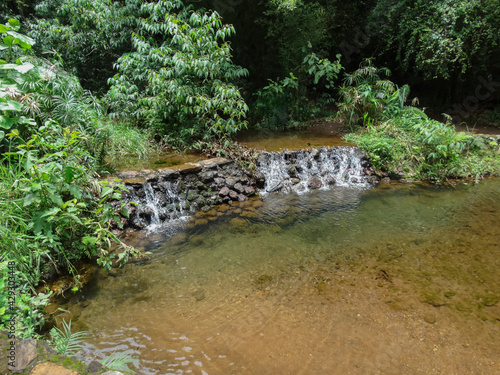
[(292, 140), (154, 161), (396, 279), (260, 140)]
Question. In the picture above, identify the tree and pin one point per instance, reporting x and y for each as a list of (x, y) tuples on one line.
[(88, 36), (179, 78), (439, 39)]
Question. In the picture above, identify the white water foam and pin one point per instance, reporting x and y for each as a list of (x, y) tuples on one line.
[(301, 171)]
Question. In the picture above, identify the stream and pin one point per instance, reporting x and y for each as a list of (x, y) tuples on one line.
[(396, 279)]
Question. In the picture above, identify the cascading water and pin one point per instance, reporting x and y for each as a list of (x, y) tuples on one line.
[(161, 203), (172, 195), (303, 170), (177, 206), (152, 203)]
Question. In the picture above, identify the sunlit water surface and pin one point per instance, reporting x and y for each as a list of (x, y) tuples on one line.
[(398, 279)]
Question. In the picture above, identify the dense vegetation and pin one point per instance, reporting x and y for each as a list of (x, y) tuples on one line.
[(83, 82)]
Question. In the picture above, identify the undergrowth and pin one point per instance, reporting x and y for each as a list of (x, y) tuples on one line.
[(412, 145)]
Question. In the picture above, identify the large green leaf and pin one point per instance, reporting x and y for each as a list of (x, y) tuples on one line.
[(7, 122), (29, 199), (21, 68), (13, 24), (68, 173), (76, 191), (8, 40), (10, 105), (50, 212), (22, 40), (56, 198)]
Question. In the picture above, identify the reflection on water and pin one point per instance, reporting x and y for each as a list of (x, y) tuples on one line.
[(292, 140), (399, 279), (154, 161)]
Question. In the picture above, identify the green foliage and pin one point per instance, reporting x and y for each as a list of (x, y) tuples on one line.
[(53, 211), (25, 318), (179, 78), (412, 145), (118, 362), (284, 102), (67, 342), (4, 312), (87, 36), (68, 216), (366, 97), (276, 102), (439, 39), (11, 78), (126, 139), (293, 24)]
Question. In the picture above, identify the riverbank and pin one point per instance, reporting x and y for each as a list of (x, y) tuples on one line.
[(37, 357)]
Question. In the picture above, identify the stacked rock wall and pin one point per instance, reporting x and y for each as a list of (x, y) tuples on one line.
[(171, 193)]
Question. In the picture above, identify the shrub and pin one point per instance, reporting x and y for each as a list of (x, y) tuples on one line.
[(412, 145), (179, 78), (284, 103), (366, 97)]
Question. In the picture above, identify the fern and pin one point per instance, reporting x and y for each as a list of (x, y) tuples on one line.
[(67, 342), (118, 362)]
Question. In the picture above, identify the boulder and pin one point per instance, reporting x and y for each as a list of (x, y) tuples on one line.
[(25, 353), (239, 187), (230, 182), (249, 191), (224, 191), (207, 176), (314, 183)]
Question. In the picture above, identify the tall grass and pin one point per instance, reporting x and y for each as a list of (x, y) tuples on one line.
[(126, 139)]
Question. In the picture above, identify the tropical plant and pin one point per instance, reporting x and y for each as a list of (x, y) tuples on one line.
[(4, 294), (85, 37), (65, 209), (179, 78), (21, 309), (12, 71), (67, 342), (123, 138), (284, 103), (415, 146), (53, 211), (366, 97), (118, 362), (438, 39), (293, 24)]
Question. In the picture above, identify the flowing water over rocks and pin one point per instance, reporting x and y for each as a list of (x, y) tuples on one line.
[(169, 195), (304, 170)]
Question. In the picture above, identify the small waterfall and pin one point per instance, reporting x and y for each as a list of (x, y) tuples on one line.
[(152, 203), (177, 206), (162, 202), (319, 168), (170, 196)]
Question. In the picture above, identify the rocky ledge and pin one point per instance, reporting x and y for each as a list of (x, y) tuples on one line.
[(171, 193), (166, 194)]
